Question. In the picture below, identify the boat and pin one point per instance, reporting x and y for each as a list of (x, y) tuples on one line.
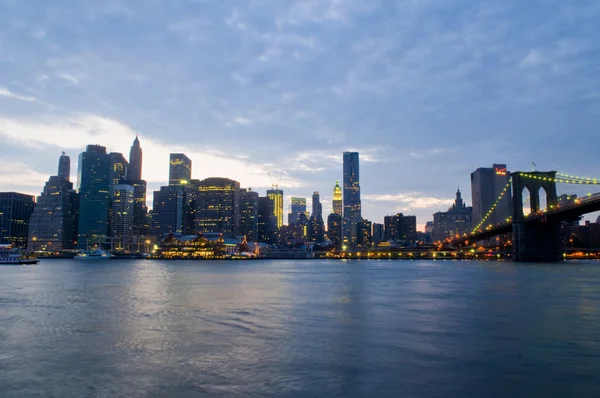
[(93, 255), (15, 256)]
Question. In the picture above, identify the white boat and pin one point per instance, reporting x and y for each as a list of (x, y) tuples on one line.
[(93, 255), (14, 256)]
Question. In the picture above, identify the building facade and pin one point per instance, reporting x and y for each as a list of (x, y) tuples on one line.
[(123, 203), (168, 211), (267, 222), (64, 167), (52, 225), (180, 169), (400, 228), (118, 169), (249, 214), (377, 233), (218, 206), (276, 196), (297, 207), (15, 213), (334, 229), (458, 220), (93, 186), (134, 172), (352, 204), (487, 183), (364, 233)]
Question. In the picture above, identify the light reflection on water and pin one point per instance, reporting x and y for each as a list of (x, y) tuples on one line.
[(295, 328)]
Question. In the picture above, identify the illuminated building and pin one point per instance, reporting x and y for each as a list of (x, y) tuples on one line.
[(297, 207), (134, 172), (276, 196), (200, 246), (267, 223), (336, 203), (168, 211), (123, 203), (377, 233), (316, 231), (217, 206), (64, 167), (15, 212), (180, 169), (334, 229), (118, 168), (93, 185), (352, 206), (400, 228), (363, 233), (249, 214), (52, 224), (458, 220), (487, 183)]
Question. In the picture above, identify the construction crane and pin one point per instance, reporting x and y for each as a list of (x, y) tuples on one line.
[(275, 185)]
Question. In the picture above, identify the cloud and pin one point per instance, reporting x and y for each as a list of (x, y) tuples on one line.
[(71, 79), (4, 92), (412, 200)]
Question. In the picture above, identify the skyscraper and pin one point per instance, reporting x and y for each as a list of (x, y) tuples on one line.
[(168, 211), (122, 216), (317, 208), (337, 205), (487, 183), (64, 167), (15, 212), (400, 228), (218, 206), (267, 222), (180, 169), (364, 232), (352, 207), (297, 207), (377, 233), (134, 172), (118, 169), (455, 221), (94, 184), (276, 196), (249, 214), (52, 224), (334, 229)]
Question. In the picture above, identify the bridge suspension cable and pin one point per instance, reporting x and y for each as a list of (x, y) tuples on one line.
[(564, 178), (491, 210)]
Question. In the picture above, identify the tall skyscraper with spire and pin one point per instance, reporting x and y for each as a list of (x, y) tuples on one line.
[(64, 167), (352, 207), (337, 199), (134, 171)]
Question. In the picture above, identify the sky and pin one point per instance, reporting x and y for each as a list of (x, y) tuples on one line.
[(273, 92)]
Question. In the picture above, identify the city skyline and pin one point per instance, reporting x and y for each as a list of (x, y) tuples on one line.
[(464, 88)]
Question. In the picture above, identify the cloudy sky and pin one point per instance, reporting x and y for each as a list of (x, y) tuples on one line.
[(425, 90)]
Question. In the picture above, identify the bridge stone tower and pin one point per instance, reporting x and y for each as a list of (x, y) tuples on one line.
[(536, 239)]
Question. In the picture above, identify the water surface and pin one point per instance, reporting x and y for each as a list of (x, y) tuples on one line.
[(299, 328)]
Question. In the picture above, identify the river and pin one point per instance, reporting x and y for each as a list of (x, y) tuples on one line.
[(299, 328)]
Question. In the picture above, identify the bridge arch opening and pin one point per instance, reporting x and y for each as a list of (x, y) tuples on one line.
[(526, 204), (543, 199)]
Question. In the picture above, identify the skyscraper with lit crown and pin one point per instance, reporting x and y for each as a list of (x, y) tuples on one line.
[(337, 205)]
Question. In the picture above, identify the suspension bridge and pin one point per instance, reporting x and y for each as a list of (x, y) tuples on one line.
[(535, 235)]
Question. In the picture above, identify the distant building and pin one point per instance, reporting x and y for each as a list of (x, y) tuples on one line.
[(297, 207), (334, 229), (94, 184), (457, 220), (267, 222), (249, 214), (123, 202), (377, 233), (134, 172), (15, 212), (168, 211), (276, 196), (336, 203), (363, 233), (180, 169), (64, 167), (487, 183), (118, 169), (316, 232), (400, 228), (429, 227), (217, 206), (352, 205), (317, 207), (52, 225)]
